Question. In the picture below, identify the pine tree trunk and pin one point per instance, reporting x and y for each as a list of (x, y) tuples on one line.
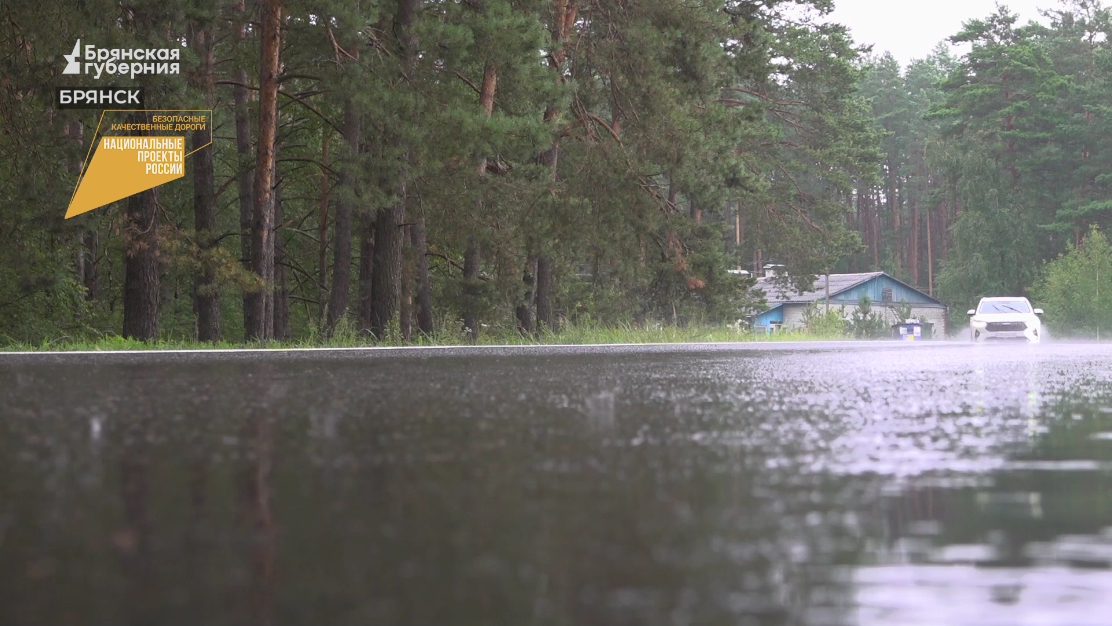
[(387, 271), (423, 297), (405, 304), (545, 318), (930, 259), (874, 215), (695, 212), (859, 218), (322, 224), (281, 280), (564, 16), (242, 97), (386, 276), (524, 312), (262, 231), (341, 242), (366, 271), (894, 202), (90, 240), (913, 248), (949, 213), (87, 256), (472, 257), (141, 279), (205, 289), (206, 296), (471, 260)]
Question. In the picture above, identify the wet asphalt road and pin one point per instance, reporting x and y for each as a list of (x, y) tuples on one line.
[(878, 483)]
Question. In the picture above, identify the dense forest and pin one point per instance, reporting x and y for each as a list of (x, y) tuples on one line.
[(393, 169)]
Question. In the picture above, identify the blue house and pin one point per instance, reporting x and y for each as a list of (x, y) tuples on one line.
[(785, 305)]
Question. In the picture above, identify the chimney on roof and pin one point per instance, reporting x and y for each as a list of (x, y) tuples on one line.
[(772, 269)]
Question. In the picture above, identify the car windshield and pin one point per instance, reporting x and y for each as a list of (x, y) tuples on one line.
[(1005, 306)]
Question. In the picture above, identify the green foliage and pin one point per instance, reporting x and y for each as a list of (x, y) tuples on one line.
[(1076, 288), (822, 321), (655, 112), (902, 309), (864, 323), (995, 240)]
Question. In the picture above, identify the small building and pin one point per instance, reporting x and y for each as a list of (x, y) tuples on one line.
[(785, 305)]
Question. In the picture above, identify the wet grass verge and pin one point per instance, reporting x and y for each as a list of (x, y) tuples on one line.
[(347, 337)]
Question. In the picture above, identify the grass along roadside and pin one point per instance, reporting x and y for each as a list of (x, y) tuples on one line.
[(347, 338)]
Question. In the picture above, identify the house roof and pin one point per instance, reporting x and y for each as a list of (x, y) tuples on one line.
[(776, 294)]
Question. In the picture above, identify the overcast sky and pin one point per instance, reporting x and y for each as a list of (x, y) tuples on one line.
[(909, 29)]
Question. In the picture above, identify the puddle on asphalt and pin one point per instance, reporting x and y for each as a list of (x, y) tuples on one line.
[(943, 486)]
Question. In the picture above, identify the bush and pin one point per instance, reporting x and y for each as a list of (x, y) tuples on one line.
[(818, 320), (865, 324), (1076, 288)]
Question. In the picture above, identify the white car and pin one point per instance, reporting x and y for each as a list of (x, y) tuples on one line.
[(1005, 319)]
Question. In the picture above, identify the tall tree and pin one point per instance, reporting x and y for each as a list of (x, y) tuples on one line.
[(263, 226), (141, 274), (341, 242), (245, 167), (205, 288), (388, 236)]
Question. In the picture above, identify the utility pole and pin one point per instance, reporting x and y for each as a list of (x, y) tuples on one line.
[(737, 233), (828, 291), (930, 259)]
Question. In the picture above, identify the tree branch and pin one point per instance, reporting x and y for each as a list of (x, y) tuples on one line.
[(291, 97)]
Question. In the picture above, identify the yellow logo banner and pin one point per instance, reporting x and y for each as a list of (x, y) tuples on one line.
[(124, 165)]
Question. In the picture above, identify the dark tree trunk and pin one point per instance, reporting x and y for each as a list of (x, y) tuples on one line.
[(545, 318), (913, 249), (551, 156), (423, 297), (262, 227), (281, 277), (206, 295), (87, 256), (141, 267), (387, 271), (341, 242), (205, 290), (525, 322), (930, 258), (90, 241), (564, 17), (471, 261), (366, 270), (472, 256), (874, 216), (322, 223), (405, 304), (242, 97)]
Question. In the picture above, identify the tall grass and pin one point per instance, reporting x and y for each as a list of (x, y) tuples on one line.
[(346, 336)]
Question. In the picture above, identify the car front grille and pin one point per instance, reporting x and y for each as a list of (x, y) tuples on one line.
[(999, 327)]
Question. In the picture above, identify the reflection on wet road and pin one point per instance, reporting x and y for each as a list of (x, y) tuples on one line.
[(851, 484)]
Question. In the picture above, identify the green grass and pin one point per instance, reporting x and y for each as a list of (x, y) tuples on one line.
[(347, 337)]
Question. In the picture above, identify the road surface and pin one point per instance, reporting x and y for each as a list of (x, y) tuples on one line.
[(817, 484)]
